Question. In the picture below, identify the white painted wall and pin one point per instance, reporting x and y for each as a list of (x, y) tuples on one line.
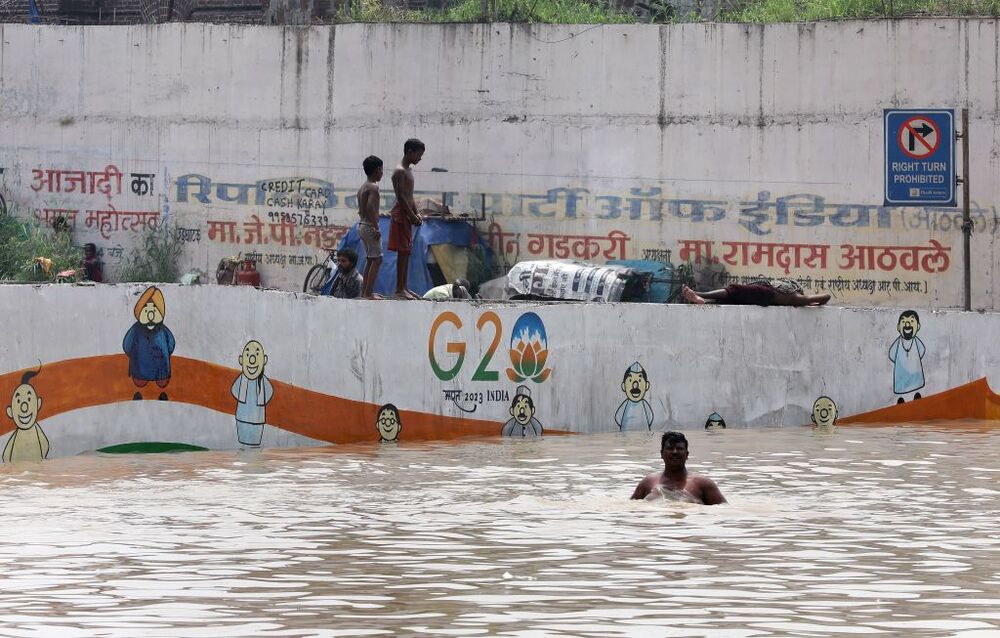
[(755, 366), (673, 117)]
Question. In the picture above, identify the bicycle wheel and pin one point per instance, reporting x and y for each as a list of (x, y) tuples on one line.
[(315, 278)]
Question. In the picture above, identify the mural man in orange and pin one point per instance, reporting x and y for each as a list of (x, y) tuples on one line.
[(149, 343)]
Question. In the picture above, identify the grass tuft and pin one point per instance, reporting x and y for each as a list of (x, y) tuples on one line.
[(155, 257)]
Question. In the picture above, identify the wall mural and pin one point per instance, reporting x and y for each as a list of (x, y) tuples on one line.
[(149, 344), (522, 422), (715, 422), (28, 442), (252, 391), (529, 350), (388, 423), (824, 412), (635, 413), (907, 353), (148, 354)]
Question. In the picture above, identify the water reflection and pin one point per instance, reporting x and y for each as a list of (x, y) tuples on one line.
[(890, 531)]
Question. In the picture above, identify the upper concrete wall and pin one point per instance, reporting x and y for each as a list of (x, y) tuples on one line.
[(692, 138)]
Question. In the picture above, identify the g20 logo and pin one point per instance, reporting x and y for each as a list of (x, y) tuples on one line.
[(528, 348)]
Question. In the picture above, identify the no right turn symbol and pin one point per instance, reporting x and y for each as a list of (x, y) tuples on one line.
[(919, 137)]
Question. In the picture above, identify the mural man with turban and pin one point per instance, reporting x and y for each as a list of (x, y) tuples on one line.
[(149, 343)]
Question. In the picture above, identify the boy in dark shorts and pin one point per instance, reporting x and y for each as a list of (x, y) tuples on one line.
[(369, 200), (404, 215)]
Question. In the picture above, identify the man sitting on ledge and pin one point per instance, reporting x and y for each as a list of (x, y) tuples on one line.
[(763, 292)]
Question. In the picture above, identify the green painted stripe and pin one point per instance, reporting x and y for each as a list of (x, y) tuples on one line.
[(151, 447)]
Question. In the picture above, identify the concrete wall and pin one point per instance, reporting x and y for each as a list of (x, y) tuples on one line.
[(763, 145), (448, 367)]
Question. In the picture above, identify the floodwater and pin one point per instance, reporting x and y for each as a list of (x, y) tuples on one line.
[(884, 531)]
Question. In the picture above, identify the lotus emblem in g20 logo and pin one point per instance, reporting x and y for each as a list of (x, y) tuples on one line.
[(529, 348)]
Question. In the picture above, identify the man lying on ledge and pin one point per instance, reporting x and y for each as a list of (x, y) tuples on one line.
[(763, 292)]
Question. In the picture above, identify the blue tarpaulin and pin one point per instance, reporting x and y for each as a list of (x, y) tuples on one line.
[(431, 232)]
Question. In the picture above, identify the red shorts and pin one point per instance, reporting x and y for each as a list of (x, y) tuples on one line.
[(400, 231)]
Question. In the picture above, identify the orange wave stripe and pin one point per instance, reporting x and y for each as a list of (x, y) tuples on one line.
[(974, 400), (73, 384)]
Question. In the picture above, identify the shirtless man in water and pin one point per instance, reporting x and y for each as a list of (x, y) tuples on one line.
[(404, 215), (675, 477)]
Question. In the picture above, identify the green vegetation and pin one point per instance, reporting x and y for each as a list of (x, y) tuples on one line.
[(606, 12), (151, 447), (543, 11), (767, 11), (27, 247), (21, 242), (155, 257)]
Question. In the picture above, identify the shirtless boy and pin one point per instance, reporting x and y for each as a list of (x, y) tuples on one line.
[(675, 478), (368, 205), (404, 215)]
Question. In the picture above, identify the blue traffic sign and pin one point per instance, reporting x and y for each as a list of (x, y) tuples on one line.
[(919, 157)]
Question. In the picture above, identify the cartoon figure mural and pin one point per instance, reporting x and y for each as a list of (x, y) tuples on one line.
[(824, 413), (149, 343), (715, 422), (252, 391), (28, 442), (529, 349), (906, 354), (388, 423), (634, 413), (522, 422)]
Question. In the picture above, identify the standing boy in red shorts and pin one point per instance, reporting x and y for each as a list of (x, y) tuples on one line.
[(404, 215)]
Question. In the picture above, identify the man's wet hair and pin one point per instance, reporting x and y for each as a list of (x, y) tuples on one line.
[(351, 254), (371, 164), (413, 144), (673, 437), (642, 373), (909, 313)]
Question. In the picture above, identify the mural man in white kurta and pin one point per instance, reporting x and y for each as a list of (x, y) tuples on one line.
[(906, 354), (252, 391)]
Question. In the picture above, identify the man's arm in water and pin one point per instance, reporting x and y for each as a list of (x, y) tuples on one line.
[(643, 488), (710, 492)]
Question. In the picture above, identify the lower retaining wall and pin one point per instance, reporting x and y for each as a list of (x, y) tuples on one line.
[(450, 369)]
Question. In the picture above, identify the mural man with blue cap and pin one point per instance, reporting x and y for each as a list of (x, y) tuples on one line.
[(634, 413)]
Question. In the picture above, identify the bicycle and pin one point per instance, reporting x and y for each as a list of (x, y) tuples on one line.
[(319, 274)]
